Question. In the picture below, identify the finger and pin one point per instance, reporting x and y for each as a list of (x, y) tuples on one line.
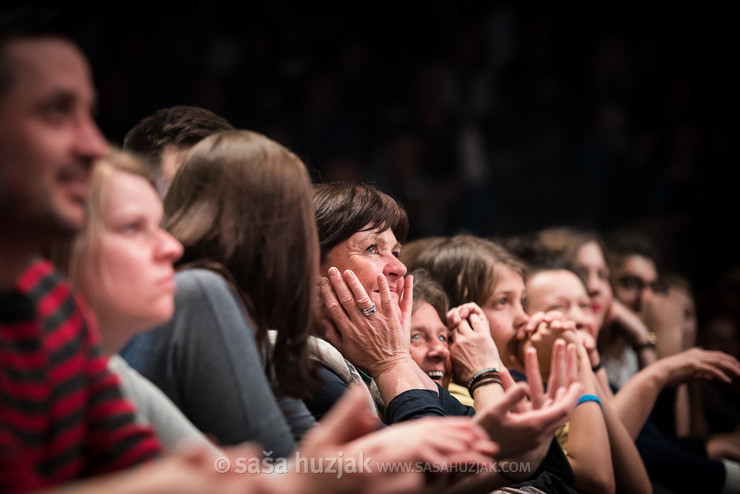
[(464, 328), (534, 377), (464, 311), (557, 367), (534, 321), (506, 380), (478, 323), (362, 299), (386, 300), (343, 293), (571, 359), (512, 397), (331, 302), (453, 317), (710, 371), (407, 300), (331, 333), (553, 315)]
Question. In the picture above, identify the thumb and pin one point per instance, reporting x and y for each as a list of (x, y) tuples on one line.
[(331, 333)]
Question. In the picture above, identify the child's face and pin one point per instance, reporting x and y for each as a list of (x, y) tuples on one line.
[(504, 309), (563, 291)]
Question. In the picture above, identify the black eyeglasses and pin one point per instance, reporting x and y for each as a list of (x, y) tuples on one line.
[(632, 282)]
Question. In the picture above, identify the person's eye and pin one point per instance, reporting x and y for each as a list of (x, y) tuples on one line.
[(603, 275), (373, 249), (133, 227), (56, 109), (396, 253), (500, 302), (415, 336), (555, 307), (442, 338)]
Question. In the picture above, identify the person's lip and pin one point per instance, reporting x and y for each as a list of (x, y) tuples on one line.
[(596, 307), (436, 375), (75, 178), (167, 282)]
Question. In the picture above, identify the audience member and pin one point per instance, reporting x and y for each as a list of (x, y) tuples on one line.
[(162, 140), (240, 206), (62, 416), (121, 262)]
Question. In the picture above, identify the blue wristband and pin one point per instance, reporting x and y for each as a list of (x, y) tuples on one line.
[(585, 398)]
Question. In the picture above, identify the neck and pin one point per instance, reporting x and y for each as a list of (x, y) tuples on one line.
[(13, 260)]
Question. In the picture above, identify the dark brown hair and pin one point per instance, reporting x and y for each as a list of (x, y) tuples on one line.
[(345, 208), (29, 22), (429, 291), (243, 201), (180, 126)]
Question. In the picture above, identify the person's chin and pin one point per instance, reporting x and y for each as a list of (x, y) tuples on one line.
[(69, 213)]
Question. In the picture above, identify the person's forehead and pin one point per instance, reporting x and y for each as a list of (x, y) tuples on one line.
[(385, 237), (426, 317), (560, 283), (47, 64), (589, 254), (640, 266)]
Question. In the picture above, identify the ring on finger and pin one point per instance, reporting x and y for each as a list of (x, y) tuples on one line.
[(369, 311)]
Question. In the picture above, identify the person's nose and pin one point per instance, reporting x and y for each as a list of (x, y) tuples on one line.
[(521, 318), (438, 350), (593, 284), (394, 268), (89, 142), (169, 247)]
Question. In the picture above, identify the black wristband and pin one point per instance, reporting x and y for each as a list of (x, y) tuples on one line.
[(490, 372)]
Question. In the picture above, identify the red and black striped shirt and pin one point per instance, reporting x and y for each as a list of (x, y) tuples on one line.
[(62, 416)]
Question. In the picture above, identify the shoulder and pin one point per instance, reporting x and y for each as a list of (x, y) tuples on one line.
[(200, 279), (196, 287)]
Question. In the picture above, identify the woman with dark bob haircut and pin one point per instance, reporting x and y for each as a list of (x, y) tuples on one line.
[(367, 319)]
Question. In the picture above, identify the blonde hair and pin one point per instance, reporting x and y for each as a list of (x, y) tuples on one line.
[(73, 254)]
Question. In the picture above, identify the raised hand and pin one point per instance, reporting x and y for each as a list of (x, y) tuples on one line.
[(472, 347), (520, 425)]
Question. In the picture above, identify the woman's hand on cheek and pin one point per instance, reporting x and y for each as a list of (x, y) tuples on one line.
[(370, 341)]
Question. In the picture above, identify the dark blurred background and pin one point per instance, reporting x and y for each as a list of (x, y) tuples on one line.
[(495, 118)]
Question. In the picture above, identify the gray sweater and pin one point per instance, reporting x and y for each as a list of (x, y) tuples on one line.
[(207, 362), (153, 408)]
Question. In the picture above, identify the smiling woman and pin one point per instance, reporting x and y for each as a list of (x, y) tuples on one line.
[(429, 334)]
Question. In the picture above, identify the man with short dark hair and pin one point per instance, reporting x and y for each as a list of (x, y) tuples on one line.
[(61, 414), (163, 139)]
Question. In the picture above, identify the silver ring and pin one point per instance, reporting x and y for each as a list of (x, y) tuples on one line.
[(369, 311)]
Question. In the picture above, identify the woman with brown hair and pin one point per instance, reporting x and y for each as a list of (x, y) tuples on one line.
[(240, 207)]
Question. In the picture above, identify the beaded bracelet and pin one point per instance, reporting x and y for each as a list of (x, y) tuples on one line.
[(587, 398), (489, 372), (493, 379)]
